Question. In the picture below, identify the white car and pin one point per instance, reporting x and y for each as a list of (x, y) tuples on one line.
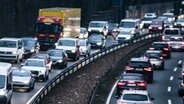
[(150, 15), (83, 33), (38, 68), (98, 27), (85, 47), (11, 49), (135, 97), (124, 36)]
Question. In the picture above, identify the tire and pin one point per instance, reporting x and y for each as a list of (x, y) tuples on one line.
[(179, 93), (32, 87)]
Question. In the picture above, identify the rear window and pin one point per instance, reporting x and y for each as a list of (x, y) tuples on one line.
[(153, 55), (171, 32), (176, 39), (139, 64), (156, 23), (135, 97), (160, 45), (126, 77)]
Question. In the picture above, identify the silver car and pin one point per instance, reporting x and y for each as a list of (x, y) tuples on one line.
[(176, 43), (156, 59), (85, 47), (23, 79)]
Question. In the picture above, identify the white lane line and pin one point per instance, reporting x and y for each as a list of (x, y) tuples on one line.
[(110, 95), (169, 89), (171, 78), (179, 62), (169, 101), (175, 69)]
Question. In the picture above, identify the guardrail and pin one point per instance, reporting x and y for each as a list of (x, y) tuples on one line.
[(69, 70)]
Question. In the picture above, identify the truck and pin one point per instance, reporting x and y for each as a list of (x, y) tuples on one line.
[(55, 23)]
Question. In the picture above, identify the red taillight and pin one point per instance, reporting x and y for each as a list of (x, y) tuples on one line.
[(166, 49), (151, 48), (121, 102), (160, 28), (121, 83), (142, 84), (161, 58), (129, 68), (148, 69), (182, 73), (182, 83)]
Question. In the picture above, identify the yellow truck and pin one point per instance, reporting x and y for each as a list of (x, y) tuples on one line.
[(54, 23)]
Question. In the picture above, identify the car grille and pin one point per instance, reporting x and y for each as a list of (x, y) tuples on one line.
[(2, 52), (35, 72)]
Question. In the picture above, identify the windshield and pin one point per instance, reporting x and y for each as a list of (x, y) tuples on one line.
[(156, 23), (29, 43), (180, 20), (135, 97), (48, 28), (147, 19), (139, 64), (2, 81), (171, 32), (160, 45), (96, 24), (82, 30), (34, 63), (95, 38), (8, 44), (66, 43), (21, 73), (55, 53), (126, 77), (127, 24), (82, 43), (153, 55)]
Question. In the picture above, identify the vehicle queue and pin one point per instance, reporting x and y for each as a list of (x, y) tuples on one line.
[(36, 65)]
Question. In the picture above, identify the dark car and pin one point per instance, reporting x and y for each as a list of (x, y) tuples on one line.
[(44, 56), (97, 41), (162, 46), (59, 58), (181, 87), (113, 28), (129, 81), (156, 26), (31, 46), (156, 59), (141, 65)]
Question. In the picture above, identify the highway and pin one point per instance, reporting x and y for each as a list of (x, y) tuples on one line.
[(22, 97), (165, 85)]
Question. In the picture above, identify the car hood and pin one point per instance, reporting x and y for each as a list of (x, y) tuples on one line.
[(147, 22), (95, 28), (33, 68), (28, 47), (95, 41), (66, 47), (8, 49), (127, 29), (20, 79), (56, 58)]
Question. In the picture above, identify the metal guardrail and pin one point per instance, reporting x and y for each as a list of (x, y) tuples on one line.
[(36, 99)]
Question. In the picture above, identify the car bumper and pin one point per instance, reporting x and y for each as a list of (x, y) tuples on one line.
[(8, 57), (3, 100), (57, 64), (21, 85), (71, 55)]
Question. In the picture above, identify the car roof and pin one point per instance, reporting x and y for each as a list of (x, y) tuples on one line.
[(160, 43), (11, 39), (131, 74), (144, 92), (30, 38), (69, 39), (5, 68), (130, 20), (140, 59)]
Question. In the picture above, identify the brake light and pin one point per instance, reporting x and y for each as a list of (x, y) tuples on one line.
[(151, 48), (182, 73), (161, 58), (41, 35), (148, 69), (150, 27), (160, 28), (121, 102), (142, 84), (121, 83), (166, 49), (182, 83), (129, 68)]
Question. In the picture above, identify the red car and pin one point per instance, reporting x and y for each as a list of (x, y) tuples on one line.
[(156, 26), (162, 46)]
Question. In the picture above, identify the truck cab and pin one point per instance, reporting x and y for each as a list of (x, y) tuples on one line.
[(6, 86)]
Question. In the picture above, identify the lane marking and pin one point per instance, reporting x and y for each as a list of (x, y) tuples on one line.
[(175, 69), (171, 78), (169, 101), (179, 62), (110, 94), (169, 89)]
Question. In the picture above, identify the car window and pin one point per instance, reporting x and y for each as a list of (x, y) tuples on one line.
[(151, 55), (95, 37), (156, 23), (126, 77), (66, 43), (82, 43), (96, 24), (9, 44), (135, 97), (176, 39), (2, 81), (30, 43), (160, 45), (23, 73), (127, 24), (171, 32), (55, 53)]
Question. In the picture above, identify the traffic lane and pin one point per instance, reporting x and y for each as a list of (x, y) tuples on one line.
[(159, 88), (164, 88)]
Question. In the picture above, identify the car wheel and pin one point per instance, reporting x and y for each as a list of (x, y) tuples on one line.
[(180, 93), (47, 77), (33, 85)]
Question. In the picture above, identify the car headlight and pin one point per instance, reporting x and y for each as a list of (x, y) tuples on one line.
[(100, 30), (60, 61), (42, 71), (132, 32), (32, 50), (26, 81), (2, 92), (175, 23), (89, 29), (73, 51), (14, 52), (99, 43)]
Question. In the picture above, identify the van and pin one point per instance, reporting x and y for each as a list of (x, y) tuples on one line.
[(6, 86), (130, 25), (11, 49), (98, 27)]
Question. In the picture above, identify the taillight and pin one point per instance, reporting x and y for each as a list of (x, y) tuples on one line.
[(142, 84), (166, 49), (121, 102), (148, 69), (121, 83), (160, 28), (182, 73), (182, 83), (163, 37), (129, 68), (150, 27), (161, 58), (151, 48)]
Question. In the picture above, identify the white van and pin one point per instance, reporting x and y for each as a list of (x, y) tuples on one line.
[(6, 86), (11, 49), (98, 26), (129, 25)]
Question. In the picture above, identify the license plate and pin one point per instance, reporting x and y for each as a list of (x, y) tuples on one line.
[(138, 69), (131, 84)]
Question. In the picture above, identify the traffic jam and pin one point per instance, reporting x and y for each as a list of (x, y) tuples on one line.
[(56, 43)]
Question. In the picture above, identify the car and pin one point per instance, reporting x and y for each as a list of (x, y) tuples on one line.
[(156, 26), (31, 46), (85, 47), (135, 97), (98, 27), (113, 28), (162, 46), (59, 58), (23, 79), (180, 24), (44, 56), (146, 21), (169, 32), (124, 36), (150, 15), (38, 67), (83, 33), (141, 65), (181, 86), (97, 41), (11, 49), (156, 59), (71, 46), (131, 81), (176, 43)]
